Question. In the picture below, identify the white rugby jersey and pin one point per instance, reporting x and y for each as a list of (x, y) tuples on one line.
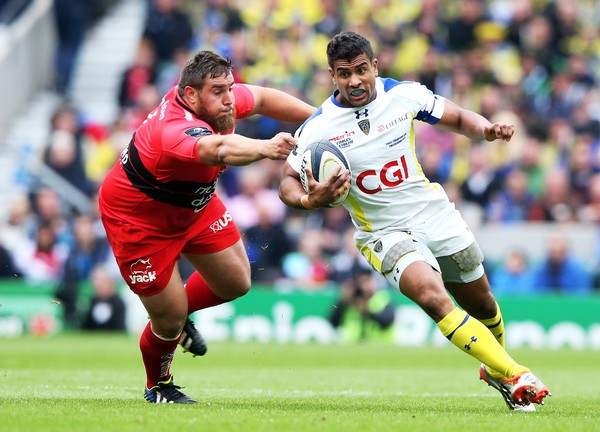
[(389, 190)]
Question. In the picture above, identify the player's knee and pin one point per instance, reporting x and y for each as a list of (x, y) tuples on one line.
[(241, 285), (436, 304), (488, 309), (428, 293), (234, 288), (242, 289), (487, 306), (168, 327), (423, 285)]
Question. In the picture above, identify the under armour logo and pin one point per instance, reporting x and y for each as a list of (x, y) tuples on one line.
[(363, 113), (473, 340)]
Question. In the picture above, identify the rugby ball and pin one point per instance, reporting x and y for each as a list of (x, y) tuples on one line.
[(323, 157)]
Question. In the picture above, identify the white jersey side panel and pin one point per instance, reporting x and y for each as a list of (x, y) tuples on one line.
[(389, 189)]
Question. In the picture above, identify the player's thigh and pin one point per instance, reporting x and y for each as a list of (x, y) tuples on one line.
[(227, 271), (391, 254), (408, 265), (168, 308), (214, 247), (423, 285), (146, 258), (453, 244)]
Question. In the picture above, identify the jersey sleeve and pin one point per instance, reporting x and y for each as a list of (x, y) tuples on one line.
[(244, 101), (303, 136), (295, 157), (427, 106), (179, 140)]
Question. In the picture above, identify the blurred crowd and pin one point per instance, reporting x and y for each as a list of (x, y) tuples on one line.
[(533, 63)]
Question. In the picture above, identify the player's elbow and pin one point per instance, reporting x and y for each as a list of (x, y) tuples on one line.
[(222, 156), (284, 189), (282, 195)]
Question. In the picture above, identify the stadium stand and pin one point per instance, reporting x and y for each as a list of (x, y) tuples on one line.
[(107, 48), (535, 63)]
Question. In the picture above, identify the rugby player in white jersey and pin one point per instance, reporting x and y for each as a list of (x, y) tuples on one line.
[(407, 228)]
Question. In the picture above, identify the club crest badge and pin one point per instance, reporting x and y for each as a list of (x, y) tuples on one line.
[(365, 126), (378, 246)]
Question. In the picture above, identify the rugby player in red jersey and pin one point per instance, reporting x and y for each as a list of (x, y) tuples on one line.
[(159, 202)]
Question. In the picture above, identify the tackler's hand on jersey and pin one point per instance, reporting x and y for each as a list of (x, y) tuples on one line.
[(280, 146), (323, 193)]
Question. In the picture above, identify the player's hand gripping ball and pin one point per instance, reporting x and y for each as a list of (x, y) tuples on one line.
[(323, 157)]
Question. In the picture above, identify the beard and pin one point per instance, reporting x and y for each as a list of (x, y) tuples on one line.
[(220, 125)]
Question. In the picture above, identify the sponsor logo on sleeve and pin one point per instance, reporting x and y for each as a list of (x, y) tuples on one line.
[(198, 132)]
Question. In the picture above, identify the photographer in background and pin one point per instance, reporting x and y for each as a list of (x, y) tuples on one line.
[(107, 310), (364, 312)]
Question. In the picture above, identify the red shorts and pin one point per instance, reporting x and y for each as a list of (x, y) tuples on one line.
[(146, 257)]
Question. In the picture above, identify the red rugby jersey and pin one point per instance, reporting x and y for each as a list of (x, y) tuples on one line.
[(159, 182)]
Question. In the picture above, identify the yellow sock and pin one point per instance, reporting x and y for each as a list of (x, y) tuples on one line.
[(496, 326), (475, 339)]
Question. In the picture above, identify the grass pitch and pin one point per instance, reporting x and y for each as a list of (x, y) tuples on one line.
[(95, 383)]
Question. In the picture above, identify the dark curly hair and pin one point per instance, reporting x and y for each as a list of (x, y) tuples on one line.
[(346, 46), (204, 64)]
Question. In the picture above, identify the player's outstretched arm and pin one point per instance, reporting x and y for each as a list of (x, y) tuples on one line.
[(473, 125), (234, 149), (279, 105)]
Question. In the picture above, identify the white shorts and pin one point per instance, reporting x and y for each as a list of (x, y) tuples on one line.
[(434, 241)]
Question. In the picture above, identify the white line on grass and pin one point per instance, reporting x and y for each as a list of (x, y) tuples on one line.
[(346, 393)]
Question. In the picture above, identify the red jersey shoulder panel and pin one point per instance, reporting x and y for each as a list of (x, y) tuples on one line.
[(167, 151), (244, 101), (170, 155)]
